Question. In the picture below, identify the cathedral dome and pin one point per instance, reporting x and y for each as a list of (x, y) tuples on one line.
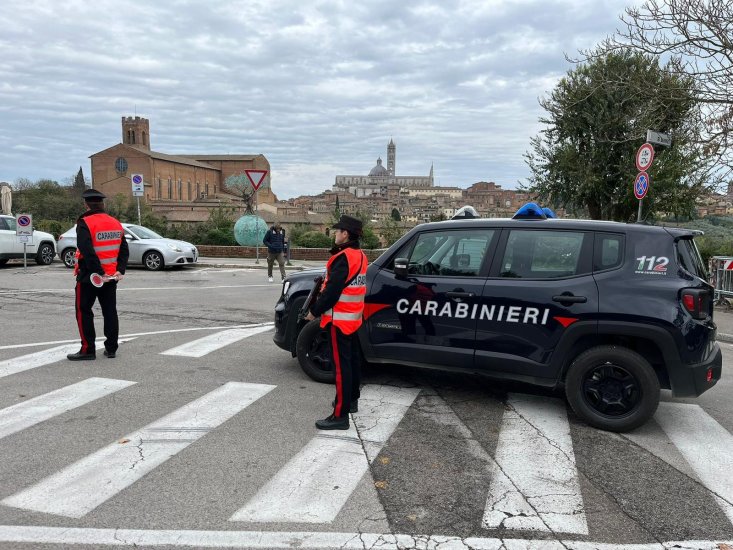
[(379, 170)]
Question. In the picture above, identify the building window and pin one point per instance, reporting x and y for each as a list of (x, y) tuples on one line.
[(198, 190), (207, 190), (180, 189), (121, 165), (170, 188), (189, 190), (145, 139), (159, 190)]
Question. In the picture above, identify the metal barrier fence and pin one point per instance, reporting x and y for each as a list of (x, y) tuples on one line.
[(721, 276)]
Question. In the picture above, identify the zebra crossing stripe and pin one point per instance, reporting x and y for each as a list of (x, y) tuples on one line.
[(29, 413), (212, 342), (41, 358), (315, 484), (81, 487), (535, 484), (705, 445)]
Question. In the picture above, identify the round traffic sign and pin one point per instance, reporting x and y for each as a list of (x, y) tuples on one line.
[(24, 221), (644, 157), (137, 178), (641, 185)]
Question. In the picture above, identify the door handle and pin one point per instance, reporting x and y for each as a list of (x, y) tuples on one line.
[(569, 299), (460, 294)]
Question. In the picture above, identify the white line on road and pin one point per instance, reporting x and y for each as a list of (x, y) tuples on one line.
[(315, 484), (537, 487), (36, 344), (705, 444), (213, 342), (42, 358), (276, 540), (80, 488), (29, 413), (131, 289)]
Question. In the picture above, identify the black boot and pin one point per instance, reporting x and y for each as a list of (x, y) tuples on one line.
[(79, 356), (354, 406), (333, 423)]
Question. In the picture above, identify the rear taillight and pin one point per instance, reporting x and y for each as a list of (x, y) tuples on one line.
[(696, 301)]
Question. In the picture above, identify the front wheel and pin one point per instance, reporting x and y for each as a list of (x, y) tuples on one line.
[(612, 388), (153, 261), (313, 353), (45, 254)]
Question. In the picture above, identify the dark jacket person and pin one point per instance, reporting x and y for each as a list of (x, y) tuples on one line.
[(340, 306), (101, 255)]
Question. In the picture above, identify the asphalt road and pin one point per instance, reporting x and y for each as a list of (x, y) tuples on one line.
[(200, 434)]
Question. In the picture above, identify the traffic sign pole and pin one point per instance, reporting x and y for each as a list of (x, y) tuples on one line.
[(638, 215)]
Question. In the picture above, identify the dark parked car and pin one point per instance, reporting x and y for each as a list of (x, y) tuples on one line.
[(610, 312)]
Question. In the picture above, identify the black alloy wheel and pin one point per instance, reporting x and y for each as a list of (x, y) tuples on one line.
[(313, 353), (45, 254), (612, 388)]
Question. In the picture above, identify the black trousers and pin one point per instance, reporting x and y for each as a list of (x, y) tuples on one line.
[(86, 294), (346, 361)]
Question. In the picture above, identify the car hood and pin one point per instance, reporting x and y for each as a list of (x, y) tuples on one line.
[(306, 274), (183, 245)]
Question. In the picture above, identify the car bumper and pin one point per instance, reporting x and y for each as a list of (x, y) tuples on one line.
[(184, 258), (693, 380)]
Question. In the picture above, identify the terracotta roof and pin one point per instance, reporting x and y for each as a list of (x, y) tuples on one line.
[(180, 159), (220, 157)]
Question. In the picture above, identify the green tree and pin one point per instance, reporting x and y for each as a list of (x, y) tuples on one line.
[(597, 117), (391, 231), (315, 239), (396, 215)]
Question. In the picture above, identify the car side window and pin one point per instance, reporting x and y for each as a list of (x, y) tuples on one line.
[(542, 254), (450, 253), (609, 251), (2, 224), (10, 223)]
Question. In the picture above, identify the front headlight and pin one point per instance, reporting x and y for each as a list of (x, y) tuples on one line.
[(173, 247), (286, 286)]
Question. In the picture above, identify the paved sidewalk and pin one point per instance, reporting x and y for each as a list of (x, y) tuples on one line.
[(723, 317)]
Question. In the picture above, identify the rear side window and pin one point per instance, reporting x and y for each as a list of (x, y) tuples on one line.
[(689, 259), (542, 254), (609, 251)]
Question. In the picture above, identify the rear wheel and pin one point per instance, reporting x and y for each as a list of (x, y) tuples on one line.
[(313, 353), (612, 388), (153, 261), (45, 254), (67, 256)]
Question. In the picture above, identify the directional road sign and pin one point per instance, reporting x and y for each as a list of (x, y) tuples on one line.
[(641, 185), (256, 177), (644, 157), (658, 138), (24, 225)]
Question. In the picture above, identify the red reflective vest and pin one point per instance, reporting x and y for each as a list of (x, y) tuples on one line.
[(107, 234), (348, 311)]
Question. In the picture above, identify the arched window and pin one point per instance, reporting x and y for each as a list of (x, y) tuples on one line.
[(180, 189), (170, 188)]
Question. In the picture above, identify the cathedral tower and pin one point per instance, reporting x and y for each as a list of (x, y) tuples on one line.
[(136, 131), (391, 154)]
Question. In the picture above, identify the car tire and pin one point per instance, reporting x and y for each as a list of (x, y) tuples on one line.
[(45, 254), (313, 353), (153, 261), (67, 256), (612, 388)]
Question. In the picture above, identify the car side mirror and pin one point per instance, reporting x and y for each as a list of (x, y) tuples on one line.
[(129, 237), (400, 266)]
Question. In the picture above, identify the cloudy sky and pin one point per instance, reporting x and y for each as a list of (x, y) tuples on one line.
[(317, 86)]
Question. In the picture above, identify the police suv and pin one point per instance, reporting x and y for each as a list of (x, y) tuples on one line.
[(610, 312)]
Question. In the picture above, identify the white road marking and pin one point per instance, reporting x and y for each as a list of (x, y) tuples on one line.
[(315, 484), (213, 342), (276, 540), (536, 487), (130, 336), (42, 358), (704, 443), (12, 292), (81, 487), (29, 413)]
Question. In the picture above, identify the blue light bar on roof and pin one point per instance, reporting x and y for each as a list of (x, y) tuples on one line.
[(549, 213), (530, 211)]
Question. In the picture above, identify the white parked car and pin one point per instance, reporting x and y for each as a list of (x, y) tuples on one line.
[(41, 247), (146, 247)]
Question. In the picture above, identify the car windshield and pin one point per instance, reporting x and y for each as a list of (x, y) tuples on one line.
[(143, 232)]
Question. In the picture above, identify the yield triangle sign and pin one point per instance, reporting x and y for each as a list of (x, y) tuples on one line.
[(256, 177)]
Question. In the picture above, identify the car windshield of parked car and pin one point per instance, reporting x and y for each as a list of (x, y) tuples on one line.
[(143, 232)]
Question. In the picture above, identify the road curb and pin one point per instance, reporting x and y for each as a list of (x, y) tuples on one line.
[(248, 266), (722, 337)]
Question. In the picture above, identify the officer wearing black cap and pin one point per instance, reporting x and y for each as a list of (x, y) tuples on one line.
[(340, 306), (101, 249)]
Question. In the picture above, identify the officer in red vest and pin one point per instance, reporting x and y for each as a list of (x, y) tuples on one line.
[(341, 305), (101, 249)]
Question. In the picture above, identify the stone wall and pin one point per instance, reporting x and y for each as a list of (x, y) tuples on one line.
[(296, 253)]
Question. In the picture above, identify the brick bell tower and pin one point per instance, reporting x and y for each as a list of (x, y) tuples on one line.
[(136, 131)]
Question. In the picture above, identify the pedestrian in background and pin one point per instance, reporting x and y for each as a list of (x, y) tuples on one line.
[(101, 249), (275, 242), (340, 306)]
